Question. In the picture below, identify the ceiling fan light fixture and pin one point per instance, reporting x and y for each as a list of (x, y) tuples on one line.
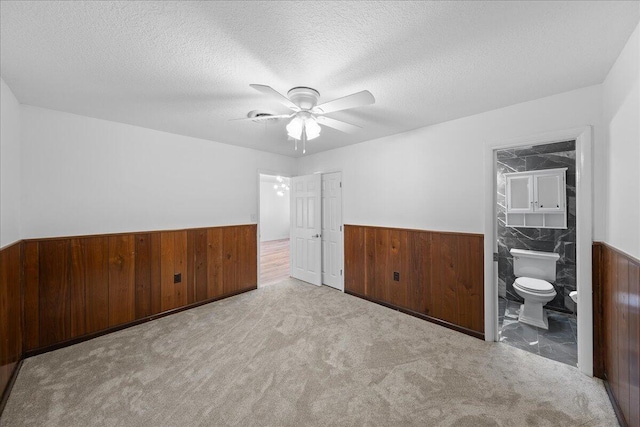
[(294, 128), (312, 128), (303, 123)]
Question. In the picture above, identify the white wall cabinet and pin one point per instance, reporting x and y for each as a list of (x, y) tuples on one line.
[(536, 199)]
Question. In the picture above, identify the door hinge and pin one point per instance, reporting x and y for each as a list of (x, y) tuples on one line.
[(340, 184), (341, 272), (495, 257), (340, 228)]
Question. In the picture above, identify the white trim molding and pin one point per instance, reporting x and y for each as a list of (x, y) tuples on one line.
[(584, 236)]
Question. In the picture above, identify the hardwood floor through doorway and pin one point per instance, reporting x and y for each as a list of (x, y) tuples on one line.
[(274, 261)]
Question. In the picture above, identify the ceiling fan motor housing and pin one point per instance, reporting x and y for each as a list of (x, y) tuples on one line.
[(304, 97)]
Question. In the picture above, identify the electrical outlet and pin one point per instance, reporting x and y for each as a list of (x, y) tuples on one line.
[(177, 278), (396, 276)]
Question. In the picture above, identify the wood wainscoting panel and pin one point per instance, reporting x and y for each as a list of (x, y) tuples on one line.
[(11, 337), (166, 271), (31, 313), (470, 280), (377, 283), (198, 245), (229, 259), (54, 291), (180, 267), (607, 327), (420, 271), (239, 247), (122, 275), (96, 275), (79, 287), (634, 343), (598, 344), (622, 322), (174, 262), (616, 277), (611, 312), (399, 255), (143, 275), (246, 270), (214, 263), (156, 273), (354, 254), (369, 260), (441, 275)]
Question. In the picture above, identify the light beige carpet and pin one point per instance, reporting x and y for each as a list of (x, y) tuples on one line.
[(297, 355)]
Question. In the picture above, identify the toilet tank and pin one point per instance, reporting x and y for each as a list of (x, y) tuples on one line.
[(535, 264)]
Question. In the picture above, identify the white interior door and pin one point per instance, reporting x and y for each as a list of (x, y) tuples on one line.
[(306, 254), (332, 230)]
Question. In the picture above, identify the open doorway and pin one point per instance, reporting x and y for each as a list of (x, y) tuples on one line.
[(536, 236), (274, 229), (578, 302)]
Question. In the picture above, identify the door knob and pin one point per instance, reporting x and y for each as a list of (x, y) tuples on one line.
[(315, 236)]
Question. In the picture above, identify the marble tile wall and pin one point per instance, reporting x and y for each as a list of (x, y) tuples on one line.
[(562, 241)]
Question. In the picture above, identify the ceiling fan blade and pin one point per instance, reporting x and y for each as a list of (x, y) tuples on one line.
[(259, 118), (350, 101), (268, 90), (338, 124)]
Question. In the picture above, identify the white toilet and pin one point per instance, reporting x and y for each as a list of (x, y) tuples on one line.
[(534, 271)]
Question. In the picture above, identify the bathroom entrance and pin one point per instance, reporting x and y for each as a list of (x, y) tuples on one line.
[(536, 237), (539, 231)]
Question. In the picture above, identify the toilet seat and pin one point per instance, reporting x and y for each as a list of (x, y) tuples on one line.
[(536, 286)]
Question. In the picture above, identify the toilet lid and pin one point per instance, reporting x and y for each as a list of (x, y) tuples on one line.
[(535, 285)]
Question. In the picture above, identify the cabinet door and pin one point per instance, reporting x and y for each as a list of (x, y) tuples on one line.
[(519, 194), (549, 192)]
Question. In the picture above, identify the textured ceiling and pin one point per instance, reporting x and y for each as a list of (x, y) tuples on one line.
[(185, 67)]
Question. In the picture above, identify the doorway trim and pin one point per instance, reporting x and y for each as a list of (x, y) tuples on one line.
[(584, 236), (257, 220)]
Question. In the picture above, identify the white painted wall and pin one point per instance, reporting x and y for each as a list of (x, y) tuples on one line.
[(9, 166), (433, 177), (274, 210), (621, 117), (87, 176)]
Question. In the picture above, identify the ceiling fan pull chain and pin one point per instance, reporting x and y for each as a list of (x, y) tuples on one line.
[(304, 140)]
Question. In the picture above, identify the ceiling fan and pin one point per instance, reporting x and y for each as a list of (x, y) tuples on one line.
[(307, 115)]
